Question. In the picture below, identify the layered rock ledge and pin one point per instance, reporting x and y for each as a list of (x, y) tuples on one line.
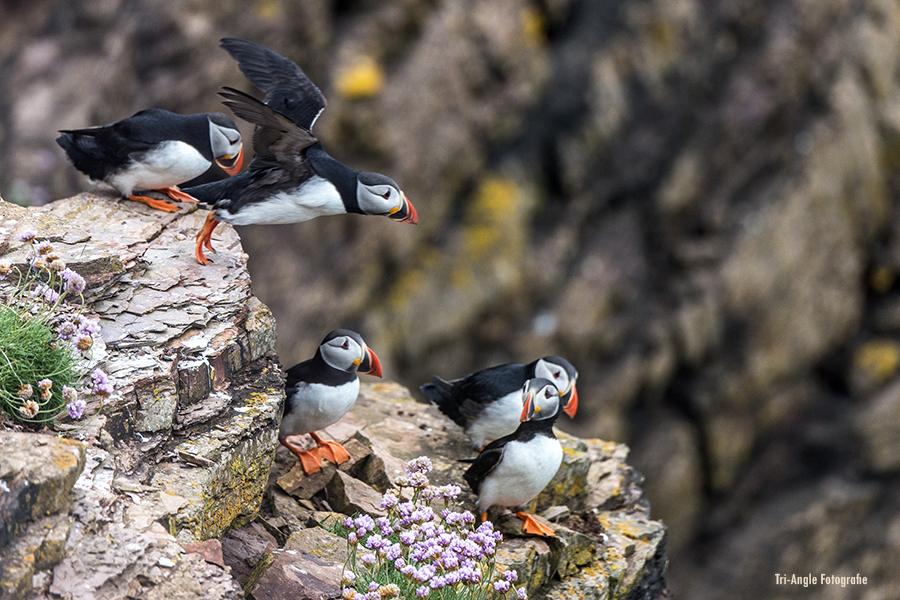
[(176, 491)]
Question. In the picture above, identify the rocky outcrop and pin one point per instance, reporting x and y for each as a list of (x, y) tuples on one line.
[(182, 451), (605, 538), (174, 489)]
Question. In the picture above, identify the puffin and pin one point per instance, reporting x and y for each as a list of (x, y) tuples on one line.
[(319, 391), (487, 403), (155, 150), (291, 178), (512, 470)]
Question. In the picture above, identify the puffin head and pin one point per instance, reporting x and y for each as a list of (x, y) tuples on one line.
[(540, 400), (345, 350), (380, 195), (225, 141), (563, 375)]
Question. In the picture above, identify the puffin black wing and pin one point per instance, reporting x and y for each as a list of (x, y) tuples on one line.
[(276, 135), (288, 89), (487, 460), (464, 399)]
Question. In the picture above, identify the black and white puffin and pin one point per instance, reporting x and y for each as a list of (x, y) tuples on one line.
[(514, 469), (291, 178), (155, 150), (321, 390), (487, 403)]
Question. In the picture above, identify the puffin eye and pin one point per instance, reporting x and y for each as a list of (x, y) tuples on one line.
[(556, 375), (386, 195), (345, 345)]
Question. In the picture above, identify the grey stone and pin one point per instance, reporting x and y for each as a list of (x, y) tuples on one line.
[(37, 473), (349, 495), (297, 575), (878, 425), (243, 548)]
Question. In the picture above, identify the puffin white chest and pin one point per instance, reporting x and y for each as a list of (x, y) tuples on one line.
[(525, 469), (316, 406), (169, 164), (499, 418), (316, 197)]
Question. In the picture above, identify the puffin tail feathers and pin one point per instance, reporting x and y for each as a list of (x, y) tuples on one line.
[(84, 152), (440, 392)]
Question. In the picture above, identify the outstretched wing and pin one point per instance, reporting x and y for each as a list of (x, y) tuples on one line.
[(276, 135), (288, 90)]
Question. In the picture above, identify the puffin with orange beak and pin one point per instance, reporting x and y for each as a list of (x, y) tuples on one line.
[(487, 403), (291, 178), (513, 470), (321, 390), (155, 150)]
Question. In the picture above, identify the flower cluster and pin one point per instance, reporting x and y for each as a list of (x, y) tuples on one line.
[(415, 553), (45, 343)]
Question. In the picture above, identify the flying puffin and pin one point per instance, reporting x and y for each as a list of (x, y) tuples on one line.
[(155, 150), (487, 404), (321, 390), (514, 469), (291, 178)]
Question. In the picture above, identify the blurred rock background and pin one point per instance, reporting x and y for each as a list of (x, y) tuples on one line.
[(694, 202)]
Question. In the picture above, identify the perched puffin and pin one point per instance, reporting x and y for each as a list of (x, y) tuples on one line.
[(514, 469), (291, 178), (155, 150), (487, 404), (321, 390)]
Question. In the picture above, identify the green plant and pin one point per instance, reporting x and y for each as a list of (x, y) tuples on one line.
[(45, 342)]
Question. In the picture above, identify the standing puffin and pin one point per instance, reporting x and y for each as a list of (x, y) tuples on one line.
[(514, 469), (321, 390), (291, 178), (487, 404), (155, 150)]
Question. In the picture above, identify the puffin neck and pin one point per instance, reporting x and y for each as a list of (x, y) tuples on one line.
[(329, 375), (529, 429), (340, 175)]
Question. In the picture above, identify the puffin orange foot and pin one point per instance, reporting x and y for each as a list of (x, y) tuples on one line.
[(331, 451), (177, 195), (154, 203), (334, 452), (534, 526), (310, 460), (204, 239)]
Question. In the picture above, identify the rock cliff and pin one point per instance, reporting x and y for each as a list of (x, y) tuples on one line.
[(175, 489)]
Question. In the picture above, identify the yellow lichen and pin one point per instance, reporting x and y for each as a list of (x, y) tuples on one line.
[(493, 206), (362, 79), (405, 287), (878, 360), (882, 279), (534, 25), (267, 10)]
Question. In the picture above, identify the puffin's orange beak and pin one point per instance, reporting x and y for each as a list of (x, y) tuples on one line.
[(526, 407), (407, 212), (370, 364), (235, 167), (572, 405)]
